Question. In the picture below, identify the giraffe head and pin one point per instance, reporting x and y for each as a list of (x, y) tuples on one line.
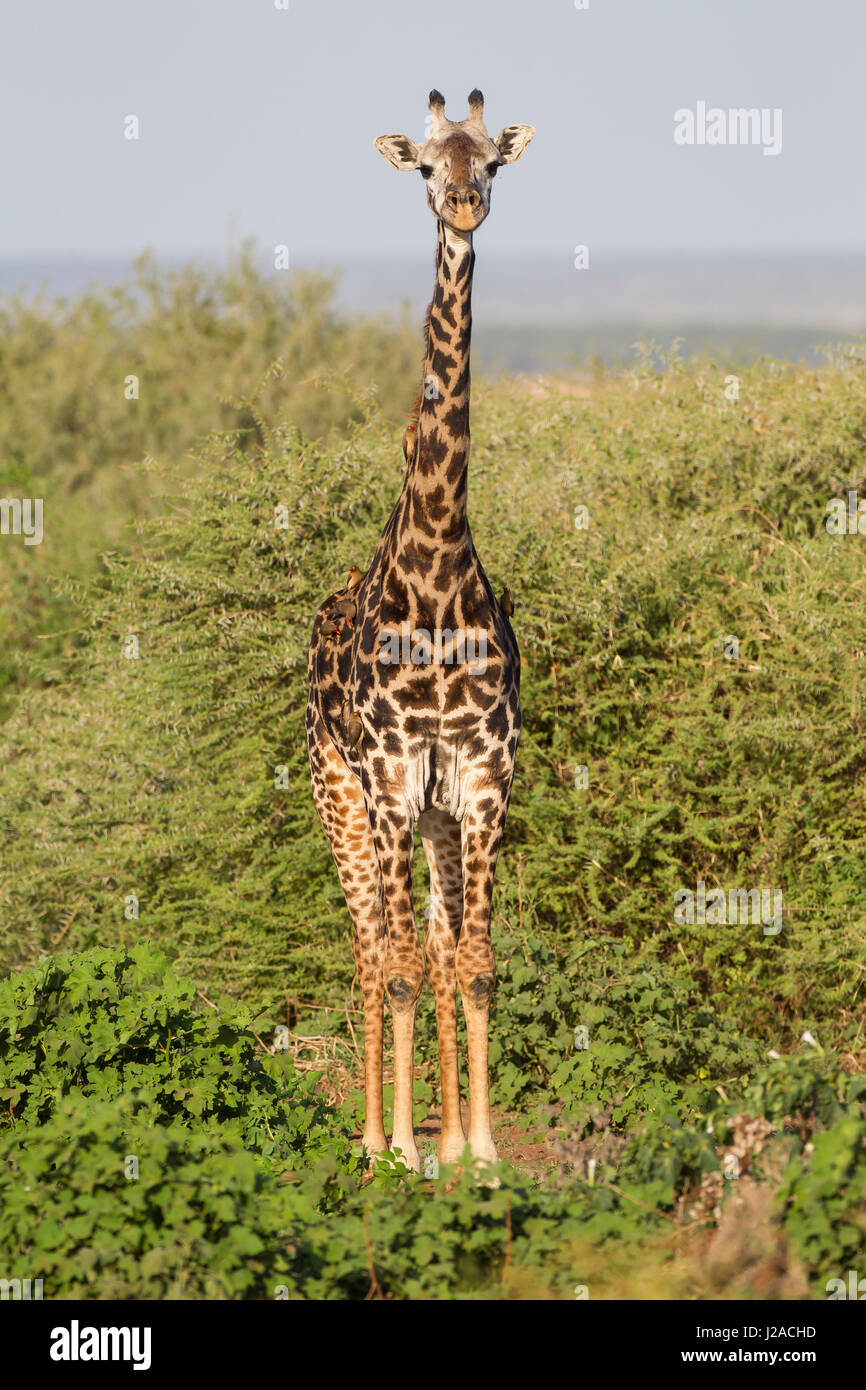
[(458, 160)]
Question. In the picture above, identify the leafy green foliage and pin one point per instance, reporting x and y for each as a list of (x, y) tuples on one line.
[(155, 790), (823, 1199), (160, 774), (819, 1111), (211, 349), (193, 1219), (109, 1024), (595, 1026), (144, 1147)]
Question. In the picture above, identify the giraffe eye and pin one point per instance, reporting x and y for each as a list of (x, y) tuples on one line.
[(491, 169), (425, 170)]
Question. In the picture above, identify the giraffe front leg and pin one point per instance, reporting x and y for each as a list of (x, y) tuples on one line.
[(440, 836), (368, 963), (343, 812), (482, 830), (393, 836)]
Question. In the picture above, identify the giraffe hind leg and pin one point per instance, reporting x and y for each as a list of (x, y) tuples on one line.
[(482, 829)]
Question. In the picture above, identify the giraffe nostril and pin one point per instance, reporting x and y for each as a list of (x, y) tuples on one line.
[(462, 197)]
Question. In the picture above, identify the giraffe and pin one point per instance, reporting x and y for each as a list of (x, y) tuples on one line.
[(399, 732)]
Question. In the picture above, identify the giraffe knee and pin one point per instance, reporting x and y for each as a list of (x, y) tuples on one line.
[(480, 990), (477, 977), (403, 993)]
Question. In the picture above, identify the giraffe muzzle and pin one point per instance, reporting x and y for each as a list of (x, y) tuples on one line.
[(464, 207)]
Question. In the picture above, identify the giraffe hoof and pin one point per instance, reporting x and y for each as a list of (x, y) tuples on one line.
[(407, 1154), (484, 1158), (375, 1146), (452, 1150)]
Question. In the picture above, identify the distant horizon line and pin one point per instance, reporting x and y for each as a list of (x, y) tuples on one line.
[(318, 256)]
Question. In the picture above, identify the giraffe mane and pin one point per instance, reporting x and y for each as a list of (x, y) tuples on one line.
[(410, 433)]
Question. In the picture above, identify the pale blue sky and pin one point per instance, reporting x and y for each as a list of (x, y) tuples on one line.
[(261, 122)]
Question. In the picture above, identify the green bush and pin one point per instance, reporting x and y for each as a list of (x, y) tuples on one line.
[(99, 1206), (154, 754), (147, 1150), (108, 1025), (823, 1200), (596, 1027), (818, 1110), (162, 776), (201, 342)]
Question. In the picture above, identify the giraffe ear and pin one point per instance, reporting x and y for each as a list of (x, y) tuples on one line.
[(512, 141), (399, 150)]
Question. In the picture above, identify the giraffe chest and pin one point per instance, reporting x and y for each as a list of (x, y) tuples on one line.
[(432, 656), (439, 706)]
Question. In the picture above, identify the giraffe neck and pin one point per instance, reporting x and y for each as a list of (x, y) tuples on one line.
[(437, 473)]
